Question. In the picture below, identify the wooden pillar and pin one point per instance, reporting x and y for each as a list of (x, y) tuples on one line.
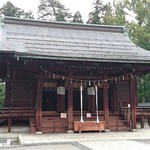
[(113, 99), (39, 102), (133, 102), (70, 106), (136, 95), (105, 102)]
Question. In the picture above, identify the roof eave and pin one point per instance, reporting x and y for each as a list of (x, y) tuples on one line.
[(82, 59)]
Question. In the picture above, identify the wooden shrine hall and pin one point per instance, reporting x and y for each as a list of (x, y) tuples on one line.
[(69, 77)]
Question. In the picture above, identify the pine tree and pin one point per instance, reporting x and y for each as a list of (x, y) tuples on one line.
[(77, 17), (114, 14), (53, 10), (9, 9), (95, 17)]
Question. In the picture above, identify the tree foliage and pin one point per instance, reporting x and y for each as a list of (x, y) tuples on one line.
[(140, 8), (143, 85), (9, 9), (108, 14), (135, 15), (2, 93), (95, 17), (139, 33), (77, 17), (53, 10)]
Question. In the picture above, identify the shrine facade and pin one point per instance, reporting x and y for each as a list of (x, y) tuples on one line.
[(69, 77)]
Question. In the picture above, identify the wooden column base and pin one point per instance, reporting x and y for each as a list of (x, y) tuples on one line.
[(39, 133), (70, 131)]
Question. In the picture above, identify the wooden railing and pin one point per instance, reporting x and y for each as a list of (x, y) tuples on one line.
[(125, 112), (16, 113), (143, 110), (143, 113)]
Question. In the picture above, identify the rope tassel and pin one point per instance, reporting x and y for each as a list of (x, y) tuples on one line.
[(96, 92), (81, 101)]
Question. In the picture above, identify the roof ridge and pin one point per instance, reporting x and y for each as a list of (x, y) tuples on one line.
[(57, 24)]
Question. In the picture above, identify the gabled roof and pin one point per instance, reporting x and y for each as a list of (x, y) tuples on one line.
[(69, 41)]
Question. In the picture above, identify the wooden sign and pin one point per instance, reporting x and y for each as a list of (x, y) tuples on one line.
[(88, 115), (63, 115)]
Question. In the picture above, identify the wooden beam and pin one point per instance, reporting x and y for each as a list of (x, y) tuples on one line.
[(133, 102), (39, 102), (70, 106), (105, 102)]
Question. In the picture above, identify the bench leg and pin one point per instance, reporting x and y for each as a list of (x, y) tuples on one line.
[(9, 125), (148, 121), (142, 122)]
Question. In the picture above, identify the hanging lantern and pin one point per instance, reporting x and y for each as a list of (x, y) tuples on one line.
[(91, 91), (61, 90)]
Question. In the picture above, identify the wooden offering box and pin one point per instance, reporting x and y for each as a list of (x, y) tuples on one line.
[(89, 126)]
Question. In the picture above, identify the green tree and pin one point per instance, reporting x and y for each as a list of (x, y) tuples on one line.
[(77, 17), (120, 14), (2, 93), (139, 35), (135, 15), (9, 9), (53, 10), (108, 18), (140, 8), (139, 32), (143, 85), (114, 14), (95, 17)]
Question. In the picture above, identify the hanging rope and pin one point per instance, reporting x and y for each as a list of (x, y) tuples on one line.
[(81, 101), (53, 75), (96, 93)]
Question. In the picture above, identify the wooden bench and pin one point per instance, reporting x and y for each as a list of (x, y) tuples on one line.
[(16, 113), (89, 126)]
